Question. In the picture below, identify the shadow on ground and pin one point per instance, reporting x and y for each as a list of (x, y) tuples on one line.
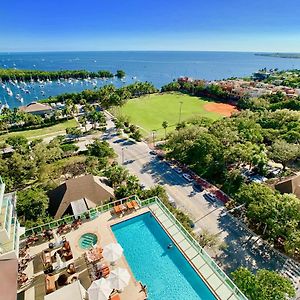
[(241, 251)]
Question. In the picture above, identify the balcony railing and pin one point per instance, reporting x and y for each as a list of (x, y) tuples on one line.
[(90, 214)]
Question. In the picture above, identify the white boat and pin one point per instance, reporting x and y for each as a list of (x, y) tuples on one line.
[(9, 92), (19, 98)]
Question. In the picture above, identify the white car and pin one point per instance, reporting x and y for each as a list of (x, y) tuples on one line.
[(178, 170), (188, 177)]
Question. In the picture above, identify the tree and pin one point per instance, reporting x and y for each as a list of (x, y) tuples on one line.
[(18, 142), (100, 149), (83, 121), (179, 142), (209, 240), (43, 153), (69, 149), (120, 74), (284, 152), (165, 126), (129, 188), (74, 132), (32, 204), (233, 181), (264, 285), (136, 135), (206, 156), (116, 175), (96, 117)]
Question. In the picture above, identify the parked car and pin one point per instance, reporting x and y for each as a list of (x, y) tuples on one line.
[(210, 197), (198, 187), (178, 170), (169, 163), (187, 177), (152, 152)]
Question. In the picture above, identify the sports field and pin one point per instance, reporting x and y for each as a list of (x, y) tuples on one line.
[(150, 111), (53, 130)]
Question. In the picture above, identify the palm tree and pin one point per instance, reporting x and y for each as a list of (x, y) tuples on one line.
[(83, 121), (165, 126), (57, 114)]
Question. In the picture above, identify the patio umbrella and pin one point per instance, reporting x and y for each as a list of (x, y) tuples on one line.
[(112, 252), (99, 290), (119, 278), (59, 261)]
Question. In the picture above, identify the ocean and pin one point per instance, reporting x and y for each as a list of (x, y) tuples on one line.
[(158, 67)]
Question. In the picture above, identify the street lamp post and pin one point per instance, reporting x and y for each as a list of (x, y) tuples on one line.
[(153, 138), (122, 155), (180, 112)]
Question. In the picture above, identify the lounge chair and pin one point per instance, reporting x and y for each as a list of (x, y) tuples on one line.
[(117, 209), (115, 297), (50, 283), (135, 205), (129, 205)]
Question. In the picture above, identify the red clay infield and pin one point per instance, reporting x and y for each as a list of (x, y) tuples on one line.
[(221, 108)]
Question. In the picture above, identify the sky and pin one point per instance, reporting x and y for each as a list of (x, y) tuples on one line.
[(198, 25)]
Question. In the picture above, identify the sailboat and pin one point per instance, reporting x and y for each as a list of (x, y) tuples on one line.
[(19, 98), (9, 92)]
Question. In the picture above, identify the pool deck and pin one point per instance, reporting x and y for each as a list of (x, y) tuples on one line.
[(99, 226), (211, 274)]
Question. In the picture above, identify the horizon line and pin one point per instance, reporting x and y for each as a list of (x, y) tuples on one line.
[(225, 51)]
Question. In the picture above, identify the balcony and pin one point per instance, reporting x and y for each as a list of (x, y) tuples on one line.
[(7, 212)]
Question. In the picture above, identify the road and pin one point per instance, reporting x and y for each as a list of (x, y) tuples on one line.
[(152, 171)]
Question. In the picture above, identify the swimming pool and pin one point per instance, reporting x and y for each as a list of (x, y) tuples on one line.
[(166, 272), (87, 240)]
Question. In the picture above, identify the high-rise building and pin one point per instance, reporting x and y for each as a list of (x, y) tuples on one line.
[(10, 232)]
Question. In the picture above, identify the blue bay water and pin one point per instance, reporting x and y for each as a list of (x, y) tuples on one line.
[(158, 67), (166, 272)]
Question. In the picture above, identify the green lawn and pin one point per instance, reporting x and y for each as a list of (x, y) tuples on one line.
[(42, 132), (150, 111)]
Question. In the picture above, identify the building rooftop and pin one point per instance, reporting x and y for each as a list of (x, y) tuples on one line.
[(289, 185), (35, 107), (80, 193)]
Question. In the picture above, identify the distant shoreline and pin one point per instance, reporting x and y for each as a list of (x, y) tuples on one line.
[(280, 55)]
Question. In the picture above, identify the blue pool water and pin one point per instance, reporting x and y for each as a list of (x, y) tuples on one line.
[(166, 272)]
